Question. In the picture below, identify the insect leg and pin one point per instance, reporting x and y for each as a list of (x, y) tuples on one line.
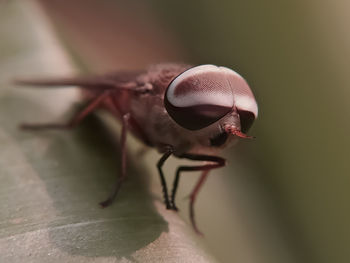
[(193, 196), (74, 121), (121, 178), (216, 163), (162, 179)]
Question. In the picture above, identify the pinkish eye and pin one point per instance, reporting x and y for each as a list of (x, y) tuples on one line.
[(199, 97), (204, 94)]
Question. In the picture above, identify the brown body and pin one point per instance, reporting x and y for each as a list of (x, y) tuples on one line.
[(141, 100), (149, 120)]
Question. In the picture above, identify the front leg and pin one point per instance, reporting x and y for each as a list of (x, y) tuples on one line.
[(215, 162), (160, 163)]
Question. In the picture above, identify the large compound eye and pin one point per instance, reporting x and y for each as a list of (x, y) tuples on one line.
[(244, 99), (199, 97), (246, 118)]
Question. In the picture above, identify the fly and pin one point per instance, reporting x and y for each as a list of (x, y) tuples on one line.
[(185, 111)]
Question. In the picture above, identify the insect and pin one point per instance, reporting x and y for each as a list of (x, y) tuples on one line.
[(190, 112)]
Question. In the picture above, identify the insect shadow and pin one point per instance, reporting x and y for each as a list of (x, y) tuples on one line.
[(82, 175)]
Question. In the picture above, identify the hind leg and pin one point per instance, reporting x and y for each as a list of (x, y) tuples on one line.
[(122, 176), (77, 118)]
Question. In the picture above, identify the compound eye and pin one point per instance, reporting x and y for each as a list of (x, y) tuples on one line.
[(246, 118), (199, 97), (245, 103)]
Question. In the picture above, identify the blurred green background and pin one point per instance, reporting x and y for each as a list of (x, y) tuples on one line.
[(284, 196)]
